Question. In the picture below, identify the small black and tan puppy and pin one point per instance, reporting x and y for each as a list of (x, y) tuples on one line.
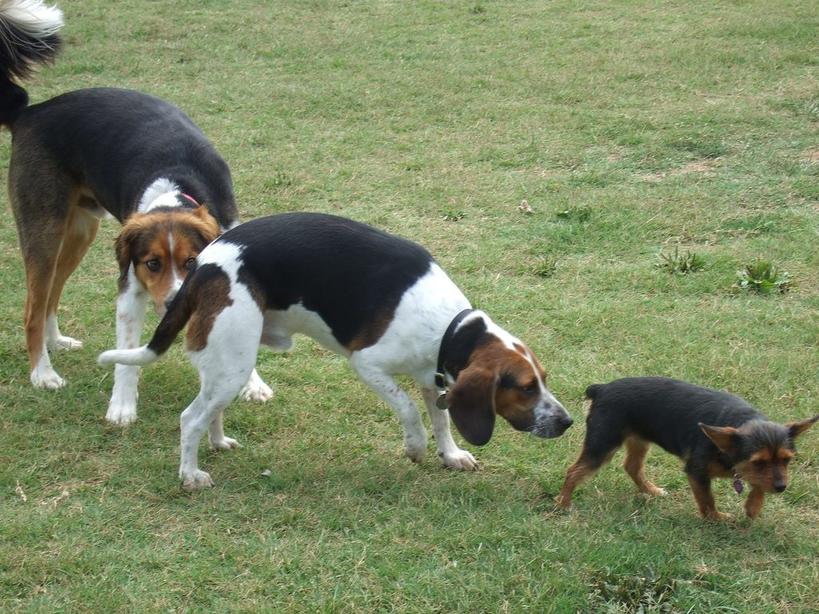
[(717, 434)]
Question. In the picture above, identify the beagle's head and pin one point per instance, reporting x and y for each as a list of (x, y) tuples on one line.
[(501, 378), (157, 249)]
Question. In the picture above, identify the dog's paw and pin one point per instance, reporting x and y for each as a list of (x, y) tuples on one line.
[(256, 390), (718, 516), (46, 378), (226, 443), (121, 414), (563, 503), (64, 343), (197, 480), (459, 459), (656, 491)]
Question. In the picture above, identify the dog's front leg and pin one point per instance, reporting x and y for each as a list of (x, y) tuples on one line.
[(415, 436), (448, 451), (131, 306)]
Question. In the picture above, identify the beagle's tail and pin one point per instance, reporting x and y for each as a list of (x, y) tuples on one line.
[(174, 320), (28, 38), (593, 390)]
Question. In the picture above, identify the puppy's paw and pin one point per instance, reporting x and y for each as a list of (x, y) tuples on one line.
[(459, 459), (197, 480), (64, 343), (226, 443), (46, 378), (255, 389), (120, 413)]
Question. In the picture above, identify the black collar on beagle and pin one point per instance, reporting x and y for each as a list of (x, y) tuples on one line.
[(440, 377)]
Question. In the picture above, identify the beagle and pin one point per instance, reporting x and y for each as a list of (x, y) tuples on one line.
[(380, 300), (94, 153)]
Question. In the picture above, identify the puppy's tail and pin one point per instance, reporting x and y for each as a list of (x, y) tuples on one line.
[(28, 38), (174, 320), (593, 390)]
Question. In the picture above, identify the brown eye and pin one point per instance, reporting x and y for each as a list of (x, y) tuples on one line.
[(190, 264), (153, 265)]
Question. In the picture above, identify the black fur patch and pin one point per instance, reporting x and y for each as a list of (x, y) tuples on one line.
[(349, 273)]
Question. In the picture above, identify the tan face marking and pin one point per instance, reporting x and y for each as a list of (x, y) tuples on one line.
[(766, 468), (162, 248)]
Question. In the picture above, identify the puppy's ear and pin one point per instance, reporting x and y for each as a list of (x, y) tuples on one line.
[(472, 404), (725, 438), (797, 428), (123, 247), (210, 227)]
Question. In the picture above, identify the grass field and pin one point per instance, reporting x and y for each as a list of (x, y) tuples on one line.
[(629, 128)]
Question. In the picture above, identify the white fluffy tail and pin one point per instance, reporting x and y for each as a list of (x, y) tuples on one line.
[(138, 357), (32, 17)]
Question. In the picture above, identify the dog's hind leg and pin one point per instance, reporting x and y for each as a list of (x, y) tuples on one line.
[(81, 228), (448, 451), (41, 214), (415, 436), (636, 450), (224, 365)]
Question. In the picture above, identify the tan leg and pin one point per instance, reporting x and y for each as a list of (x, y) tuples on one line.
[(81, 229), (705, 499), (578, 473), (636, 450), (753, 505)]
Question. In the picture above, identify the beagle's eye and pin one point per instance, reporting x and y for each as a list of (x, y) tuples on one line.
[(190, 263), (529, 388), (153, 265)]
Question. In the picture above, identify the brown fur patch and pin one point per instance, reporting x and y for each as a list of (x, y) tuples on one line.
[(515, 402), (209, 300), (372, 333)]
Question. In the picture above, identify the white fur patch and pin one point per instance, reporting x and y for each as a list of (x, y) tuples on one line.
[(161, 193), (227, 256)]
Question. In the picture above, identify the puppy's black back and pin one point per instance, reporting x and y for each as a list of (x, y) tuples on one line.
[(664, 411)]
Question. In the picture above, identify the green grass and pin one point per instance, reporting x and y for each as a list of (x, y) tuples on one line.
[(628, 127)]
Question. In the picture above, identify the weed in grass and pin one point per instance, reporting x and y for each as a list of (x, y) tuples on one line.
[(544, 266), (681, 264), (763, 277), (650, 592)]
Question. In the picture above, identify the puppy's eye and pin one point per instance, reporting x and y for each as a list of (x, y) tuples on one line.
[(153, 265), (190, 263), (786, 460)]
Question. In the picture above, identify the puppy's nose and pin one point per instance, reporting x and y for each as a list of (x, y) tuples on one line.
[(780, 487), (566, 422)]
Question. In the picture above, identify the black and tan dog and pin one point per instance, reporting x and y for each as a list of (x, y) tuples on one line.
[(88, 154), (716, 433)]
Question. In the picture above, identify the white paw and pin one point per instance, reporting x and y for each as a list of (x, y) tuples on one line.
[(197, 480), (64, 343), (415, 448), (121, 414), (459, 459), (47, 378), (256, 390), (226, 443)]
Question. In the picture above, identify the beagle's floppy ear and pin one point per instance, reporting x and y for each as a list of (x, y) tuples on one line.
[(472, 404), (797, 428), (725, 438)]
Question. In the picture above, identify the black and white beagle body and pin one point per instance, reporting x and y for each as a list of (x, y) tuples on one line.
[(379, 300), (90, 154)]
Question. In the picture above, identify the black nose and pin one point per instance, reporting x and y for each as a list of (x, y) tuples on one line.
[(566, 422), (780, 487)]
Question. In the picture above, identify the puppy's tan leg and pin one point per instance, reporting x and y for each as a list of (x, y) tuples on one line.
[(81, 229), (753, 505), (701, 487), (636, 450), (584, 468)]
